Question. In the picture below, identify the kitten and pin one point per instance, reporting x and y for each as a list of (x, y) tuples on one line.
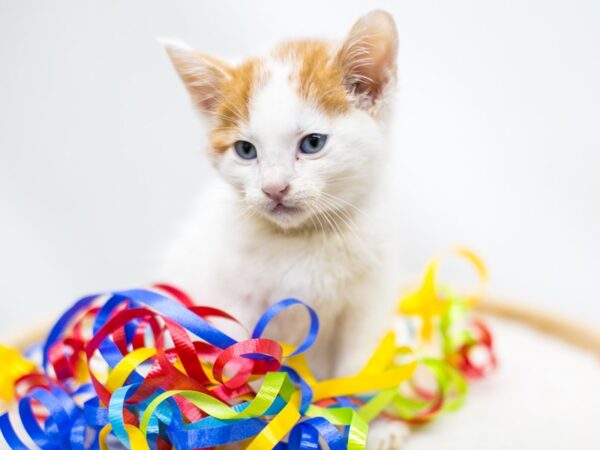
[(299, 140)]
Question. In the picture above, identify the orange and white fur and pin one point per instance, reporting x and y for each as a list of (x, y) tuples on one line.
[(299, 138)]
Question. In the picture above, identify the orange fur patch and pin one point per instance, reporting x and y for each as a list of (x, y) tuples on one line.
[(320, 78), (234, 98)]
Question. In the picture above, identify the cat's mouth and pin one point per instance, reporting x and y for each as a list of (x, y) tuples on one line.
[(281, 209), (285, 215)]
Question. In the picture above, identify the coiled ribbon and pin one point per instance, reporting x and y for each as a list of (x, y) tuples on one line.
[(147, 368)]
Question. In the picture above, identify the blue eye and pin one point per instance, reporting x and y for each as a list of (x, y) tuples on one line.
[(245, 149), (313, 143)]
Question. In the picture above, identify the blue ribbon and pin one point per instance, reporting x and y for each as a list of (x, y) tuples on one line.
[(69, 424)]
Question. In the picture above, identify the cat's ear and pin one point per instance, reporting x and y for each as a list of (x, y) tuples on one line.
[(368, 58), (202, 75)]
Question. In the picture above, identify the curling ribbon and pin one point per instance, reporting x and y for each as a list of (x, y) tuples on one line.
[(14, 367), (428, 304), (146, 345), (147, 368)]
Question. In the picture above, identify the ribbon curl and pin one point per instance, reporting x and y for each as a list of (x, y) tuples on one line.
[(147, 368)]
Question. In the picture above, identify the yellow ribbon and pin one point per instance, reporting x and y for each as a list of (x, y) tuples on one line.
[(382, 375), (427, 303), (14, 366), (136, 438)]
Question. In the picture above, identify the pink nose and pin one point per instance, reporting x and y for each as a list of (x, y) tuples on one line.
[(276, 191)]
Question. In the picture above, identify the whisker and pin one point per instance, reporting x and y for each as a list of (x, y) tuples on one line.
[(351, 226), (315, 213), (347, 203), (334, 226)]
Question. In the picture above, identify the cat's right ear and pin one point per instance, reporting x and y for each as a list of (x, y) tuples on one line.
[(202, 75), (368, 58)]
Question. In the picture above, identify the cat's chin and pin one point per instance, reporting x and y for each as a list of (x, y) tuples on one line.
[(286, 217)]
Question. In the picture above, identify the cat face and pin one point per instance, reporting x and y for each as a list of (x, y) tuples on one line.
[(298, 133)]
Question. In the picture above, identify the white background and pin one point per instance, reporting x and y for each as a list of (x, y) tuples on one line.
[(497, 138)]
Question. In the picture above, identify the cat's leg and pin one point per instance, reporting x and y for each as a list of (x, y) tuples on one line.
[(361, 329), (387, 434), (360, 334), (358, 331)]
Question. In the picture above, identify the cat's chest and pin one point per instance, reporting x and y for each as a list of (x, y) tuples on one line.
[(317, 270)]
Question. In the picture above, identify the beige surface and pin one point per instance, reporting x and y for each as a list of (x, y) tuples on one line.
[(545, 394)]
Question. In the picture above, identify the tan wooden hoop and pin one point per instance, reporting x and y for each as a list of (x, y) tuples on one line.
[(569, 330)]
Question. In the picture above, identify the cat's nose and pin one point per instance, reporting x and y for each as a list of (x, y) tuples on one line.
[(276, 191)]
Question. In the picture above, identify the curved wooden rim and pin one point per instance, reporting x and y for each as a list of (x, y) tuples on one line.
[(569, 330), (574, 332)]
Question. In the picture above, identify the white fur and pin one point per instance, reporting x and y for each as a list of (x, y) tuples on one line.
[(387, 435), (235, 253)]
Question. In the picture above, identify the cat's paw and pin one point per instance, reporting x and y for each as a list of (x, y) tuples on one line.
[(387, 435)]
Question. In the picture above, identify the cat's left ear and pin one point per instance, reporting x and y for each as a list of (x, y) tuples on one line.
[(202, 75), (368, 58)]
